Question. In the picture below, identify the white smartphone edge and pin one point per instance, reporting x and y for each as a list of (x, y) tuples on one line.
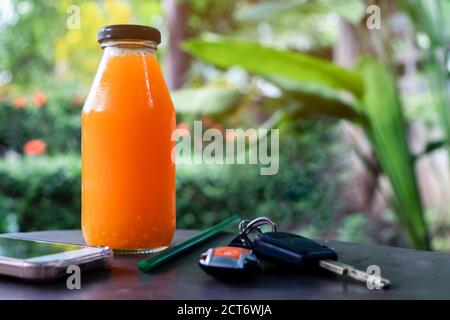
[(53, 266)]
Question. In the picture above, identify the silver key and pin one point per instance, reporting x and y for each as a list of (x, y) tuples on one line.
[(347, 270)]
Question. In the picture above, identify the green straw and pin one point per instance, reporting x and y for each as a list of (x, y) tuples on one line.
[(150, 263)]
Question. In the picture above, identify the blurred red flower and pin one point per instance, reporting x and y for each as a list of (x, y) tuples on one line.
[(185, 126), (217, 126), (20, 102), (77, 101), (207, 121), (230, 135), (39, 99), (35, 147)]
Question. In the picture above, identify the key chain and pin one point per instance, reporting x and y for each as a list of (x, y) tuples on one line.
[(248, 226), (235, 261), (240, 258)]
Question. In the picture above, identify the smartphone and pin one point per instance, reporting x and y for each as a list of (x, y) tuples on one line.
[(41, 260)]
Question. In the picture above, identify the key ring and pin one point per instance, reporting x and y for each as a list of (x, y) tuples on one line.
[(247, 226)]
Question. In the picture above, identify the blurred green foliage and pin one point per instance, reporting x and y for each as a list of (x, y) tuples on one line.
[(431, 18), (302, 193), (26, 46), (268, 62), (57, 123), (386, 130), (205, 101), (351, 10), (265, 38), (38, 193), (375, 105)]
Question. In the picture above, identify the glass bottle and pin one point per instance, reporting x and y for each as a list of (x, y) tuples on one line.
[(128, 176)]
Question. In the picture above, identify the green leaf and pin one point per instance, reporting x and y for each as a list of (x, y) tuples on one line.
[(433, 146), (266, 61), (205, 101), (430, 148), (431, 17), (353, 11), (386, 130), (316, 100), (265, 10)]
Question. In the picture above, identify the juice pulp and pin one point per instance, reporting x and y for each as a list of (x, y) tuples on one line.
[(128, 176)]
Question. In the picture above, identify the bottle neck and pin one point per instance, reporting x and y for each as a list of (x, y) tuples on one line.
[(129, 46)]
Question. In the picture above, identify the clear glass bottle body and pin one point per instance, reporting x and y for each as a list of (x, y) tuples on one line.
[(128, 177)]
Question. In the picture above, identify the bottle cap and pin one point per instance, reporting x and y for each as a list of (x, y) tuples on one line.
[(129, 32)]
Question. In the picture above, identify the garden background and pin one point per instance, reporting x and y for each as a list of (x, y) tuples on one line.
[(359, 90)]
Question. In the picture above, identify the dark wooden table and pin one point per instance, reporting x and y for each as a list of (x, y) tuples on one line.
[(414, 274)]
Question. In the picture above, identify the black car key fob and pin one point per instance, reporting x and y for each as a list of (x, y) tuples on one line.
[(296, 251), (290, 249), (237, 260)]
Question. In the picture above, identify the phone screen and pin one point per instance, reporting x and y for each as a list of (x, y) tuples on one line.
[(25, 249)]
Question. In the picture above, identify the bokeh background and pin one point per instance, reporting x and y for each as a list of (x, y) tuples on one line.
[(360, 94)]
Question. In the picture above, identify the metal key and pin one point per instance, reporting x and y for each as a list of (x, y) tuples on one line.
[(297, 251), (350, 271)]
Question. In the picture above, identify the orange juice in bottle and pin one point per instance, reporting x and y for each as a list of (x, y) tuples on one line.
[(128, 177)]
